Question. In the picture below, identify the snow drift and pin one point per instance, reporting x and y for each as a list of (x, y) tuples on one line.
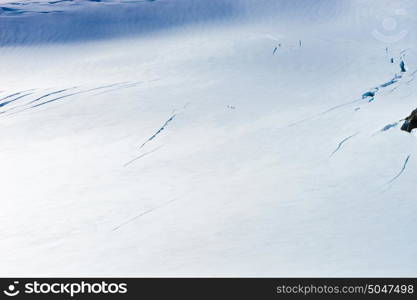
[(207, 138)]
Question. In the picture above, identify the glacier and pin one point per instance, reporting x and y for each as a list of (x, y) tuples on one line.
[(208, 138)]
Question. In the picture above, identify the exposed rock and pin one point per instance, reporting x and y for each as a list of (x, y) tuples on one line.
[(410, 122)]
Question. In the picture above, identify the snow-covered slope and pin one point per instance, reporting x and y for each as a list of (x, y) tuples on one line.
[(34, 22), (208, 138)]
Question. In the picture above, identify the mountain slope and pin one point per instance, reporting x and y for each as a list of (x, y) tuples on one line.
[(263, 141)]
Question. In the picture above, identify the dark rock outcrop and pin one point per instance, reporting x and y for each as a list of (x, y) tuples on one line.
[(410, 122)]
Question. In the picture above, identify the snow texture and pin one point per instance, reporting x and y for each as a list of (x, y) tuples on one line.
[(208, 138)]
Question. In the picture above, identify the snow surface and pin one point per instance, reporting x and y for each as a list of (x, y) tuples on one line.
[(207, 138)]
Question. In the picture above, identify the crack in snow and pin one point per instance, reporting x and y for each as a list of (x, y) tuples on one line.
[(402, 170), (140, 156), (120, 84), (15, 94), (15, 99), (342, 142), (142, 214), (37, 99), (159, 130), (76, 93)]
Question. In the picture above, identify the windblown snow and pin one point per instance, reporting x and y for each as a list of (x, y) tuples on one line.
[(207, 138)]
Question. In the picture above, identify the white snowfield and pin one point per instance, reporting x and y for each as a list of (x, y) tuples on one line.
[(243, 138)]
